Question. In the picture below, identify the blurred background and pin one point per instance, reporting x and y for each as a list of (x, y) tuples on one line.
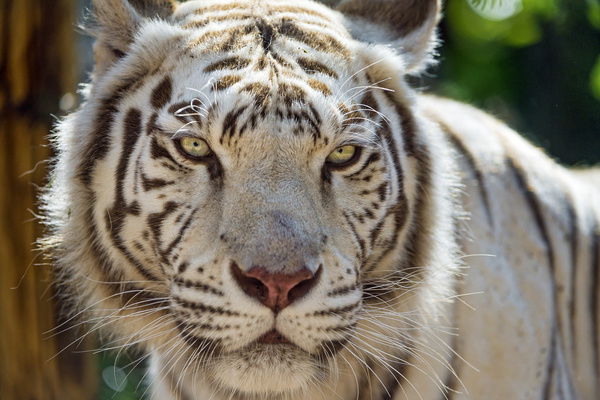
[(533, 63)]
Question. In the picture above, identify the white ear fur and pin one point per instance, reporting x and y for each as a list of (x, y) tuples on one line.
[(407, 25)]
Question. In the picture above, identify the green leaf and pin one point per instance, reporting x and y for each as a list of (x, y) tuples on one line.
[(595, 79)]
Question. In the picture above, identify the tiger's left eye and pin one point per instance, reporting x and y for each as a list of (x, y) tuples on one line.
[(194, 147), (342, 155)]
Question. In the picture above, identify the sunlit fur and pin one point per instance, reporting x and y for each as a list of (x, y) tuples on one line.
[(452, 259)]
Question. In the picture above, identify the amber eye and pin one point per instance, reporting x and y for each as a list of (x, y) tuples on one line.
[(342, 155), (194, 147)]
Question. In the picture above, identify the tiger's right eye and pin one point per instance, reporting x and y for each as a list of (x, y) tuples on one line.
[(194, 147)]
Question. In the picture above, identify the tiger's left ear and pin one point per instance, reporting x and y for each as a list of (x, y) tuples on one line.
[(408, 25)]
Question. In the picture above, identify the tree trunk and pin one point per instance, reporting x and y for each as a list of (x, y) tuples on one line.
[(36, 69)]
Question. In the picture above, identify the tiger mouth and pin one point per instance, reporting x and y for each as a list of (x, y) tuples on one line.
[(273, 337)]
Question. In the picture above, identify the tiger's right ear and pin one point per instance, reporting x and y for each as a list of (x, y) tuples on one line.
[(116, 23)]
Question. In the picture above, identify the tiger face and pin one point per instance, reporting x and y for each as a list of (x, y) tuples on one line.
[(247, 177)]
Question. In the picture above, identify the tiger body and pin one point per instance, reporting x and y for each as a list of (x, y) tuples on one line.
[(204, 209)]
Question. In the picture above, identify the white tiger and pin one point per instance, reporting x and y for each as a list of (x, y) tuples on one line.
[(253, 195)]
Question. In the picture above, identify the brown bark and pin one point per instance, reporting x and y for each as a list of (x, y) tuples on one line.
[(36, 69)]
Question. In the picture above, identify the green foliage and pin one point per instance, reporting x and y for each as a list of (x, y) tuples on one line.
[(122, 377), (595, 80), (532, 62)]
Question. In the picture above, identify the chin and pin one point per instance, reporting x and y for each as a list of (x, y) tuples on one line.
[(269, 371)]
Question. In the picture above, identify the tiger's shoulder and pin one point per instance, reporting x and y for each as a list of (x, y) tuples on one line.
[(532, 248)]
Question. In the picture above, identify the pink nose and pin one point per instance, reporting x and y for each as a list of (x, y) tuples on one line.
[(275, 290)]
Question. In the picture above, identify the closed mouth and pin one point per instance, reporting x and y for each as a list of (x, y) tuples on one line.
[(273, 337)]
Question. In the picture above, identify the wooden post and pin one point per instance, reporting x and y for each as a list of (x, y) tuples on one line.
[(37, 67)]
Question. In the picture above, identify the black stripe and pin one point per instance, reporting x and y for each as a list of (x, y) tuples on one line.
[(149, 184), (162, 93), (167, 253), (416, 241), (400, 209), (407, 122), (197, 306), (535, 207), (342, 290), (230, 122), (155, 222), (373, 158), (594, 298), (551, 366), (361, 243), (266, 33), (345, 329), (332, 347), (574, 236), (338, 311), (473, 165), (395, 380), (188, 284), (114, 279), (452, 382), (179, 108), (100, 142), (158, 152), (117, 214), (210, 347)]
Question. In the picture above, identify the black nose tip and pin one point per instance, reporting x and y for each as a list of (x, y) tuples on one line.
[(275, 290)]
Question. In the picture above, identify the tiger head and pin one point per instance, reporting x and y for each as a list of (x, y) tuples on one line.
[(248, 192)]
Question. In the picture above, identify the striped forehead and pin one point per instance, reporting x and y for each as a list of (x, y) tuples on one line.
[(279, 28), (219, 16), (262, 60)]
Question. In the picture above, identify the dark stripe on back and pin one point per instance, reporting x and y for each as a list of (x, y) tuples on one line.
[(574, 236), (535, 208), (468, 156), (162, 93), (594, 298)]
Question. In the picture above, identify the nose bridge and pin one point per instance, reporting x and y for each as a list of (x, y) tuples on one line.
[(273, 218)]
